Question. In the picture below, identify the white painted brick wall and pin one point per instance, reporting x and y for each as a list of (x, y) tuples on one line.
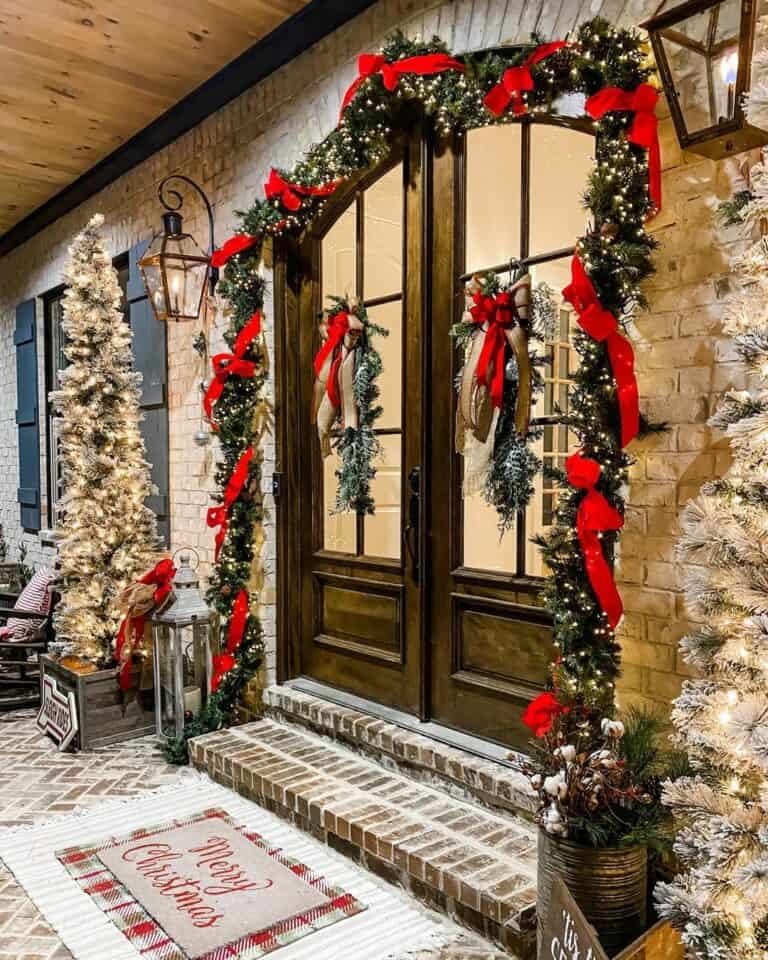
[(683, 361)]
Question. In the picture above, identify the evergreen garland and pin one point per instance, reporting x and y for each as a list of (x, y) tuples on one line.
[(616, 252)]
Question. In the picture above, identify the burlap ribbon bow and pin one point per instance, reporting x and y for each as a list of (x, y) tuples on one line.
[(335, 365)]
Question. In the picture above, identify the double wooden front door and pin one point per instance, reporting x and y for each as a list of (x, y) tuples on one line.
[(423, 606)]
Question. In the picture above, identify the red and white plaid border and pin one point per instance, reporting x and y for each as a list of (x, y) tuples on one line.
[(149, 938)]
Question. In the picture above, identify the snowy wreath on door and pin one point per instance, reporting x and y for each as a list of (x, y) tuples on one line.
[(609, 70)]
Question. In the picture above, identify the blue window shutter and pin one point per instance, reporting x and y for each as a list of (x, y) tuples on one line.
[(150, 358), (27, 415)]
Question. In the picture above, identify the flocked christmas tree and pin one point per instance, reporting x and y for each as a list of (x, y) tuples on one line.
[(107, 535), (721, 903)]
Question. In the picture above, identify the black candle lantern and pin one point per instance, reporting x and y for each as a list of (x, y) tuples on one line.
[(703, 50), (175, 268)]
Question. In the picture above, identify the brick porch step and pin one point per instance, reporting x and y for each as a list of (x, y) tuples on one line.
[(477, 866), (423, 758)]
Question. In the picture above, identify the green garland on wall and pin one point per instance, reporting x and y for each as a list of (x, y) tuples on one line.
[(616, 253)]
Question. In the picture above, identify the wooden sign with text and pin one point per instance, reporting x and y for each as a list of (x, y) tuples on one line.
[(568, 935), (58, 713)]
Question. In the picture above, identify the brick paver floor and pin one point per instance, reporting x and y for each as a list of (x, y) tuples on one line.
[(36, 783)]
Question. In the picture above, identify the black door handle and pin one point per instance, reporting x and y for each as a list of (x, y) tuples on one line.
[(411, 528)]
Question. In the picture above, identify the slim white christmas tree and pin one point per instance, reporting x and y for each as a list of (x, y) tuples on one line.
[(721, 903), (107, 535)]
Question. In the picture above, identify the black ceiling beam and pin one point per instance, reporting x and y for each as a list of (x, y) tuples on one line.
[(291, 38)]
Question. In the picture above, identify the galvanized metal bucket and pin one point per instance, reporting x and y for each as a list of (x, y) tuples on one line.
[(609, 884)]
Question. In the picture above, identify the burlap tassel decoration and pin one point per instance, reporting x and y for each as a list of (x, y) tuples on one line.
[(500, 320), (335, 364)]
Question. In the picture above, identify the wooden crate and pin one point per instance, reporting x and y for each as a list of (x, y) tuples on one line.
[(106, 714), (661, 942)]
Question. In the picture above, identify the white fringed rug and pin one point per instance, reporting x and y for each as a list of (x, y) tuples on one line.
[(112, 916)]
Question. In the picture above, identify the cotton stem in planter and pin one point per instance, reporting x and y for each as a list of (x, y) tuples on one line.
[(720, 902), (106, 533)]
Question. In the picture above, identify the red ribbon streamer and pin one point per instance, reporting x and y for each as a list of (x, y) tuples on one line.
[(497, 312), (161, 576), (226, 364), (518, 79), (236, 244), (223, 662), (601, 325), (370, 64), (594, 516), (645, 127), (219, 516), (290, 194), (338, 328)]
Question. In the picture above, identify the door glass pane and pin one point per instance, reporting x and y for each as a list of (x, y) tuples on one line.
[(382, 530), (484, 547), (339, 529), (557, 442), (339, 257), (383, 243), (390, 316), (561, 163), (493, 195)]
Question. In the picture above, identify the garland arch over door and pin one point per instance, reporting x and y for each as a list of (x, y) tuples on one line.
[(423, 607)]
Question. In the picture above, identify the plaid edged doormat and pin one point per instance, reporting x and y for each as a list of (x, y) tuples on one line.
[(205, 888)]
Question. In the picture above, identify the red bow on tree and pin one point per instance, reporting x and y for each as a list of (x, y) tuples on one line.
[(233, 246), (219, 516), (594, 516), (369, 64), (226, 364), (131, 630), (645, 127), (290, 194), (498, 314), (602, 325), (223, 662), (518, 79)]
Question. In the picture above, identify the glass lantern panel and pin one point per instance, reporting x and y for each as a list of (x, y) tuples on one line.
[(185, 281), (165, 678), (153, 281), (692, 78), (695, 28), (197, 664), (728, 23)]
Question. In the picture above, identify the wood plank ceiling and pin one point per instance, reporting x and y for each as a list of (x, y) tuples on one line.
[(80, 77)]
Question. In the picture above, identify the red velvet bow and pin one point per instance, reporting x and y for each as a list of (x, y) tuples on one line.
[(594, 516), (601, 325), (497, 312), (645, 127), (290, 194), (219, 516), (369, 64), (235, 245), (223, 662), (338, 328), (131, 630), (518, 79), (226, 364)]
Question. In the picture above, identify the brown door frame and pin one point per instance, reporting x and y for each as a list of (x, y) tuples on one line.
[(290, 303)]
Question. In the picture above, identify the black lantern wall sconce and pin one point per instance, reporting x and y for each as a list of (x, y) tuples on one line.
[(175, 268), (703, 50)]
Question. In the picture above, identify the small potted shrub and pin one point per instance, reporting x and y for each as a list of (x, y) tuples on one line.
[(598, 781)]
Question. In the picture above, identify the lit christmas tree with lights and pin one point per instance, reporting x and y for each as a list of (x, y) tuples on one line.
[(720, 904), (106, 533)]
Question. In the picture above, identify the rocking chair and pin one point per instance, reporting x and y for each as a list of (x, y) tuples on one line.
[(19, 659)]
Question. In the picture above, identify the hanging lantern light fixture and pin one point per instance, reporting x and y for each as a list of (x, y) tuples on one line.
[(703, 49), (175, 268)]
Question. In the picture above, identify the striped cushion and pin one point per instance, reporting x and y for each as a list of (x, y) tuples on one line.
[(34, 598)]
